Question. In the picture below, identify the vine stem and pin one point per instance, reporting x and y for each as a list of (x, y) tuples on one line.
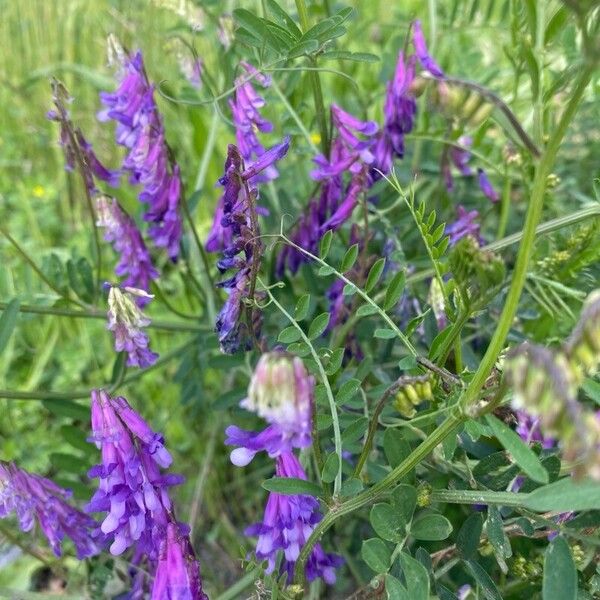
[(337, 436), (460, 414), (315, 83)]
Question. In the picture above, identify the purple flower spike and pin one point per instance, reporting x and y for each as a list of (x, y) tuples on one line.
[(427, 62), (238, 227), (34, 498), (464, 225), (140, 129), (177, 575), (127, 321), (132, 490), (528, 427), (287, 523), (486, 186), (461, 156), (135, 262)]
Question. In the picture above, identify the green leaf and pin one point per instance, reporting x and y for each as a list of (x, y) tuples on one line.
[(431, 527), (488, 587), (291, 485), (395, 590), (318, 325), (556, 24), (385, 334), (388, 522), (374, 274), (355, 431), (302, 307), (564, 495), (523, 455), (76, 438), (592, 389), (347, 391), (81, 278), (376, 554), (257, 28), (288, 335), (283, 18), (396, 448), (394, 290), (560, 574), (325, 270), (404, 499), (299, 348), (349, 289), (330, 468), (416, 576), (8, 321), (325, 244), (349, 258), (496, 534), (467, 539), (302, 48), (366, 310), (119, 367), (335, 361), (62, 461)]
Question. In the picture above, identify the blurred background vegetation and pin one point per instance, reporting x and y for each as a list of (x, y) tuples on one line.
[(42, 208)]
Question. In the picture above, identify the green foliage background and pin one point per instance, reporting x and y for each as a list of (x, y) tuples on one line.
[(190, 395)]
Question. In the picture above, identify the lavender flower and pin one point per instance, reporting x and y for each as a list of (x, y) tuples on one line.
[(34, 498), (399, 115), (127, 321), (77, 150), (287, 523), (350, 152), (243, 252), (427, 62), (486, 187), (459, 157), (135, 262), (528, 427), (132, 490), (464, 225), (140, 129), (248, 120), (177, 575)]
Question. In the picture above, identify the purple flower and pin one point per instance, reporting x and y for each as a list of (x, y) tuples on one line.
[(459, 157), (242, 254), (486, 186), (78, 152), (135, 262), (126, 321), (399, 115), (177, 575), (464, 225), (427, 62), (528, 427), (245, 108), (287, 523), (131, 490), (34, 498), (140, 129)]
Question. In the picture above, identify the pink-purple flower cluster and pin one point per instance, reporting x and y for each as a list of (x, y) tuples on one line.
[(135, 263), (34, 498), (140, 129), (127, 322), (282, 392), (465, 224), (132, 490), (236, 328)]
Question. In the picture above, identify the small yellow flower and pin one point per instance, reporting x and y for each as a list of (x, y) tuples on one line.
[(38, 191), (315, 138)]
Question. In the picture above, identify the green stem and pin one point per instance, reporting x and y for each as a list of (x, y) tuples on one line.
[(478, 497), (337, 436), (235, 590), (37, 269), (207, 152), (315, 82), (534, 212), (504, 208), (97, 314), (471, 393)]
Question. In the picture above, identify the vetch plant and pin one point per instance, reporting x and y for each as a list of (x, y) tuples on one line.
[(356, 290)]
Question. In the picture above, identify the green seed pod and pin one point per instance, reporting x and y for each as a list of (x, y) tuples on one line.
[(412, 391)]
